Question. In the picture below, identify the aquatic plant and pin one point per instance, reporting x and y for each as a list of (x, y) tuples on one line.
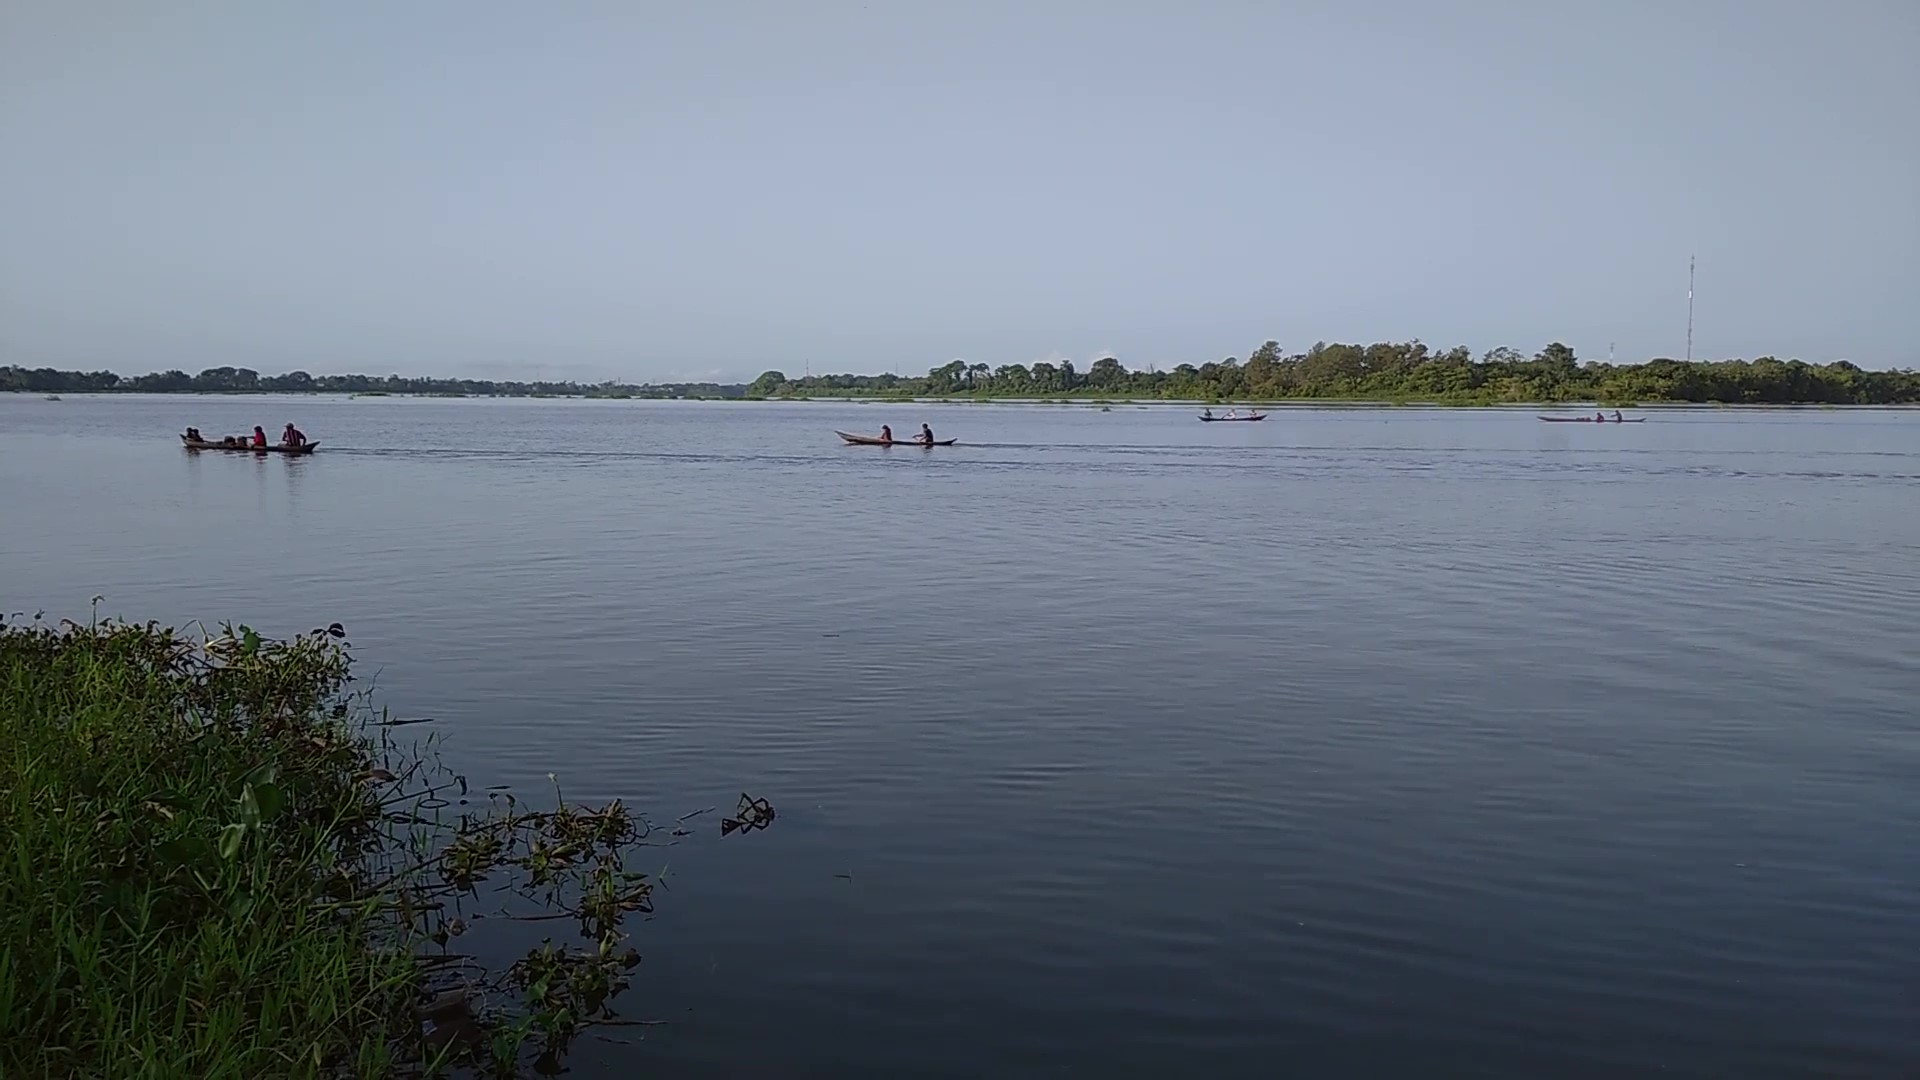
[(222, 862)]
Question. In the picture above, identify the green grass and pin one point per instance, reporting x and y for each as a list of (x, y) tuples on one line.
[(214, 862), (174, 827)]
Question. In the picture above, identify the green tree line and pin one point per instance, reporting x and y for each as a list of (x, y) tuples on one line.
[(232, 380), (1384, 371), (1392, 371)]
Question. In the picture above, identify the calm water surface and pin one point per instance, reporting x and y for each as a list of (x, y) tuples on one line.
[(1349, 743)]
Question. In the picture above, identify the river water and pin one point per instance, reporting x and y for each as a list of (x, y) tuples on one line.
[(1352, 742)]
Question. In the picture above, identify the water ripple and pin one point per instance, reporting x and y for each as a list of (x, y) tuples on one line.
[(1373, 743)]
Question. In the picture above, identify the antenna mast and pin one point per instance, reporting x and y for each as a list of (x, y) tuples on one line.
[(1689, 309)]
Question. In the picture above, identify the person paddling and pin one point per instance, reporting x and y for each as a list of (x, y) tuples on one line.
[(259, 437), (926, 435), (886, 433), (293, 436), (1599, 418), (1616, 416)]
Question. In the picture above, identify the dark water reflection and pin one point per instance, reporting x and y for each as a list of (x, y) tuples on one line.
[(1349, 743)]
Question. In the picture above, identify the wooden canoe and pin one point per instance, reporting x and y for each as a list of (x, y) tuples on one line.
[(204, 445), (868, 440), (1231, 419), (1591, 420)]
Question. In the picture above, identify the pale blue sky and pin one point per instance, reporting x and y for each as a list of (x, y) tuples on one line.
[(704, 189)]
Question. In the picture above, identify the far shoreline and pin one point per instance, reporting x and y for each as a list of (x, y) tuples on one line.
[(1384, 374), (1277, 404)]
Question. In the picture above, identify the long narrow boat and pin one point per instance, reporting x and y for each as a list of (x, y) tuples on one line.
[(1591, 420), (868, 440), (190, 444), (1231, 419)]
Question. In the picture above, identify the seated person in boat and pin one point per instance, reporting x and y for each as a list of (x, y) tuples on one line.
[(886, 433), (1616, 416), (293, 436), (193, 435), (259, 436), (1207, 411), (926, 435)]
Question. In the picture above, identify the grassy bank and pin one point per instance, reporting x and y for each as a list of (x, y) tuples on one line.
[(175, 822), (216, 863)]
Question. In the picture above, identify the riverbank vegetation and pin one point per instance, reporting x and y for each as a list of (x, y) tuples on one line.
[(1384, 371), (220, 863), (1389, 371), (232, 380)]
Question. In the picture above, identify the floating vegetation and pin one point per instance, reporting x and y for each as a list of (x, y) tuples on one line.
[(228, 865), (752, 814)]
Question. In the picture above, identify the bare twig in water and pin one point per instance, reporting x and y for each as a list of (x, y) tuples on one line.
[(751, 814)]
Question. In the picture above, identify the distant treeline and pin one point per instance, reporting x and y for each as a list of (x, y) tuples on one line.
[(230, 380), (1391, 371), (1386, 371)]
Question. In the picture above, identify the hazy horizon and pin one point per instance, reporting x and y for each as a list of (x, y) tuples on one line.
[(659, 193), (526, 376)]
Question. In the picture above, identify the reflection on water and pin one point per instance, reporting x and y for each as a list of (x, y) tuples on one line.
[(1376, 743)]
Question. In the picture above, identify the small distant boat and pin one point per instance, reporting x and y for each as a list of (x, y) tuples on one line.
[(1230, 419), (868, 440), (53, 397), (190, 444), (1592, 420)]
